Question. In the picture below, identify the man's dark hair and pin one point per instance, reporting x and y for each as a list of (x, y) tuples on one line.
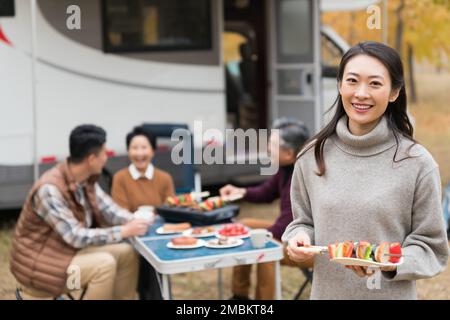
[(85, 140), (140, 131)]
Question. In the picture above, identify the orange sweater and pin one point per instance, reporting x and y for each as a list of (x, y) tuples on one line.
[(131, 194)]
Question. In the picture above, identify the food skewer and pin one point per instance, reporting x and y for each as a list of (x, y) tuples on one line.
[(218, 202), (315, 249), (191, 200), (186, 198), (200, 194), (384, 252), (324, 250)]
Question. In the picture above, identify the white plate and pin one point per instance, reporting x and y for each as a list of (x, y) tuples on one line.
[(214, 244), (160, 230), (188, 233), (199, 244), (240, 237), (364, 263)]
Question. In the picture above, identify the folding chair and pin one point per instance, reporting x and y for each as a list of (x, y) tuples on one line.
[(185, 176), (308, 273)]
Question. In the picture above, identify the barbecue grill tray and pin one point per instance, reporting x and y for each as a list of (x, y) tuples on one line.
[(196, 217)]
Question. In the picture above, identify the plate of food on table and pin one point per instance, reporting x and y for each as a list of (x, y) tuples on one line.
[(185, 243), (172, 228), (236, 230), (224, 242), (200, 232), (362, 253)]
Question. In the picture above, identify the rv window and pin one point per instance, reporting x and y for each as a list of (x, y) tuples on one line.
[(7, 8), (156, 25)]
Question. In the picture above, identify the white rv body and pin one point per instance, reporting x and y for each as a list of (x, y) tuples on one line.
[(75, 81)]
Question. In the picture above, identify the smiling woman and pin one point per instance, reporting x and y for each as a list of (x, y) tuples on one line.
[(141, 184), (366, 91), (365, 177), (359, 91)]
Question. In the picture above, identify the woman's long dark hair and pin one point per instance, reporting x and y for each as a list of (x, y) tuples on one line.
[(396, 115)]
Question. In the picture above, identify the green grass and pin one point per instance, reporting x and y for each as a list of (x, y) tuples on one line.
[(7, 282)]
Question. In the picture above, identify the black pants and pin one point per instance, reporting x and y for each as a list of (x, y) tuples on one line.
[(148, 286)]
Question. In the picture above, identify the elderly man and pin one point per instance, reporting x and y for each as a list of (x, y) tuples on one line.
[(69, 234), (284, 145)]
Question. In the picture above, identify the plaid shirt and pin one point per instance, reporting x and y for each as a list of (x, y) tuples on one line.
[(50, 205)]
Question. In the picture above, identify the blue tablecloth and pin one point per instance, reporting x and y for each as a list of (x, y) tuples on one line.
[(159, 248)]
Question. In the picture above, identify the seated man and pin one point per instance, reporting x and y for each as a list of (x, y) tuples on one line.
[(69, 233), (284, 146)]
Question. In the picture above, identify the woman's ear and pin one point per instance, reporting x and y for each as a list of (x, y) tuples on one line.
[(394, 95), (339, 85)]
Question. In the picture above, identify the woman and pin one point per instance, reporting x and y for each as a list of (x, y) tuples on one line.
[(284, 147), (364, 177), (141, 184)]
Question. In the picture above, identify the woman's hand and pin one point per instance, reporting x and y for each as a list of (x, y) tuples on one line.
[(361, 271), (230, 190), (295, 245), (367, 272)]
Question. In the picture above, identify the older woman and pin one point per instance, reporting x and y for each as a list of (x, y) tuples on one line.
[(141, 184)]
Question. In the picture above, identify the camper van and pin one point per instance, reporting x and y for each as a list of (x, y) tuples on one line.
[(121, 63)]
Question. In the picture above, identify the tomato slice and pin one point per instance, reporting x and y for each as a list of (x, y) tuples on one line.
[(395, 248)]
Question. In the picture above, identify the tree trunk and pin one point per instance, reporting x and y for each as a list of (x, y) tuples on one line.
[(399, 33), (412, 83), (351, 36)]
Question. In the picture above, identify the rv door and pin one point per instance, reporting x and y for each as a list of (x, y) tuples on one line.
[(295, 61)]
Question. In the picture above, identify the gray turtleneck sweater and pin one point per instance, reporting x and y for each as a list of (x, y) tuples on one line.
[(365, 195)]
